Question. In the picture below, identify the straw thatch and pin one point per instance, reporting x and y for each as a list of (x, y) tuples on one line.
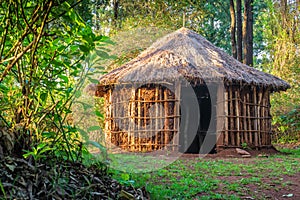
[(186, 54)]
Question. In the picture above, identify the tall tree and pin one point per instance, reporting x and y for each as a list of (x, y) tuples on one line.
[(233, 29), (239, 30), (242, 45), (116, 12), (248, 32)]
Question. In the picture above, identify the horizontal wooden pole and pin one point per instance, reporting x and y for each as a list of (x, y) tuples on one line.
[(149, 101), (135, 117)]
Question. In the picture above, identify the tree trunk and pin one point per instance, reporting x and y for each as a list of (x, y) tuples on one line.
[(116, 13), (283, 7), (232, 29), (239, 30), (248, 33)]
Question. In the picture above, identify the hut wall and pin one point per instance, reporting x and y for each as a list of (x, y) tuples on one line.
[(247, 119), (142, 119)]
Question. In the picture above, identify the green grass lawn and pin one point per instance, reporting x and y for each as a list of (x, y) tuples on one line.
[(198, 178)]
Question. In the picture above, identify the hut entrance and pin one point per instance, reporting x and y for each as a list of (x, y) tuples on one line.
[(191, 139)]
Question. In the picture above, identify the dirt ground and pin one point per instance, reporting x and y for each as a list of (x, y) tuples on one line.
[(287, 188)]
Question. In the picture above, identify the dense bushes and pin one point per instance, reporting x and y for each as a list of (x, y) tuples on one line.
[(287, 126)]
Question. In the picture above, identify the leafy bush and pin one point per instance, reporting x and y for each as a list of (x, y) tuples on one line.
[(45, 56), (287, 126)]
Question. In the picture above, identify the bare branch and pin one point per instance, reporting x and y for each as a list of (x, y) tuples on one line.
[(8, 68)]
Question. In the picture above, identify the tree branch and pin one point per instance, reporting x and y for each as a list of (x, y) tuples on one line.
[(8, 68), (5, 31)]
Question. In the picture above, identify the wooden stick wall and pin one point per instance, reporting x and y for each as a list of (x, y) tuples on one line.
[(247, 119), (143, 119), (148, 118)]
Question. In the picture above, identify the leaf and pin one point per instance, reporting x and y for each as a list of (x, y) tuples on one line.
[(93, 128), (84, 48), (95, 81), (3, 88), (97, 145), (78, 94), (61, 48), (83, 133), (125, 176), (107, 40), (99, 114), (102, 54), (69, 90), (43, 96), (48, 134), (87, 39), (2, 189), (41, 146), (74, 47), (57, 63), (10, 167), (85, 105), (64, 78)]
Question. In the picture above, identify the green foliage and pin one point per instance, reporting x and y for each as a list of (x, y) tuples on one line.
[(295, 152), (38, 152), (2, 189), (287, 126), (209, 18), (282, 38), (45, 56), (245, 145)]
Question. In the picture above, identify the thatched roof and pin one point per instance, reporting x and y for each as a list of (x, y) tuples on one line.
[(186, 54)]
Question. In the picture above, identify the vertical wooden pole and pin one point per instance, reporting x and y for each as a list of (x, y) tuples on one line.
[(266, 93), (113, 119), (269, 120), (249, 118), (125, 137), (129, 123), (245, 128), (259, 118), (232, 127), (150, 129), (226, 102), (166, 107), (139, 115), (157, 116), (255, 117), (238, 139), (109, 119), (220, 117), (177, 116), (132, 120), (117, 119), (161, 97), (144, 139), (263, 123), (266, 114)]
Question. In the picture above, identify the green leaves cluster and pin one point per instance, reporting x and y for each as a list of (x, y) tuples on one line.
[(43, 49), (287, 126), (282, 37)]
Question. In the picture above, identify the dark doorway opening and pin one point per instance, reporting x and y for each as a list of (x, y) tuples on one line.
[(196, 119)]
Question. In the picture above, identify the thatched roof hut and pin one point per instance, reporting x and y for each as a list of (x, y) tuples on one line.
[(237, 96)]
